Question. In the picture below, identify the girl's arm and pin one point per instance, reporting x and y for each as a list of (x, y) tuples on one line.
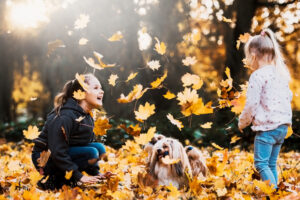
[(253, 98), (58, 135)]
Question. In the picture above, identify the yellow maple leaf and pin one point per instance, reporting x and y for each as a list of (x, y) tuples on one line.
[(289, 132), (131, 76), (187, 96), (206, 125), (112, 79), (154, 64), (80, 78), (189, 61), (198, 108), (101, 125), (174, 193), (79, 94), (192, 79), (31, 133), (145, 138), (217, 146), (169, 95), (83, 41), (264, 186), (168, 161), (175, 121), (136, 93), (69, 174), (144, 111), (160, 47), (101, 63), (234, 139), (158, 81), (238, 104), (116, 37)]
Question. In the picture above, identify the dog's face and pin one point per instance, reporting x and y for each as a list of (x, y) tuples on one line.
[(156, 138)]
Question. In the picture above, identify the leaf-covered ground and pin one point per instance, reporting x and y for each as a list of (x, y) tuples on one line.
[(232, 176)]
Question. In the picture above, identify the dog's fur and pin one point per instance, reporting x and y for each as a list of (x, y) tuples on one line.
[(197, 161), (170, 173), (149, 146)]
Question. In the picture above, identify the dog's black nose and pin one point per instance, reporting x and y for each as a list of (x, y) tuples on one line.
[(159, 150)]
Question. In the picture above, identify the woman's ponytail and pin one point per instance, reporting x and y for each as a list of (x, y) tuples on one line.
[(278, 58)]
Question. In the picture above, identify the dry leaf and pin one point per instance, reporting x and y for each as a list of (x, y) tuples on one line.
[(69, 174), (83, 41), (169, 95), (160, 47), (54, 45), (132, 130), (154, 64), (175, 121), (131, 76), (82, 21), (234, 139), (144, 111), (189, 61), (145, 138), (79, 94), (168, 161), (216, 146), (158, 81), (112, 79), (31, 133), (289, 132), (206, 125), (116, 37), (81, 80), (64, 133), (43, 159), (101, 125), (224, 19), (79, 119), (136, 93)]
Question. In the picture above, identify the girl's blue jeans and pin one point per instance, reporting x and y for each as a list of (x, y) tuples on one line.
[(267, 146)]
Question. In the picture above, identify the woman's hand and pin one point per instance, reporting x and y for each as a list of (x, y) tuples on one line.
[(89, 179)]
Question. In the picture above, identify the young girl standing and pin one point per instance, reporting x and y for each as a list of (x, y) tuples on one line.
[(68, 134), (268, 104)]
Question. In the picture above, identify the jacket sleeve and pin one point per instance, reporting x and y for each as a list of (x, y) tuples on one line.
[(252, 102), (58, 135)]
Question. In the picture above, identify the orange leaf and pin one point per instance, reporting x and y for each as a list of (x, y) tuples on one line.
[(160, 47), (43, 159), (101, 125), (116, 37), (31, 133), (144, 111), (79, 94), (169, 95)]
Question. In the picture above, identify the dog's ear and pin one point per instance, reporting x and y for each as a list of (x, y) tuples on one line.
[(176, 153), (178, 168), (153, 161), (185, 160)]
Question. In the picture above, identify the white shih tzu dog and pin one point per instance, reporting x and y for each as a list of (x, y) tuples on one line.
[(149, 146), (174, 170), (197, 161)]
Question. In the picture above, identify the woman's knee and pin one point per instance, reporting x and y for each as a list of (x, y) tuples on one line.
[(93, 153), (100, 147)]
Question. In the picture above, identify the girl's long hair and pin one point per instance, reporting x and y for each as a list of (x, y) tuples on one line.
[(67, 92), (265, 44)]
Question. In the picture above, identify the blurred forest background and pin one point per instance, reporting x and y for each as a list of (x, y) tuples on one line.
[(42, 45)]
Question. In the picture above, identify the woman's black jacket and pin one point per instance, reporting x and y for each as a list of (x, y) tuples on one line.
[(62, 131)]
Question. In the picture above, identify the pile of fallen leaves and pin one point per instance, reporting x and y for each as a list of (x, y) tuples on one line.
[(231, 176)]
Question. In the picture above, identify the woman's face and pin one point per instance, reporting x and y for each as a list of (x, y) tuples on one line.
[(94, 95)]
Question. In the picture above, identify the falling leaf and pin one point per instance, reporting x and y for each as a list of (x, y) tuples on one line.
[(169, 95), (145, 138), (160, 47), (132, 130), (216, 146), (79, 94), (54, 45), (131, 76), (154, 64), (264, 186), (224, 19), (136, 93), (168, 161), (83, 41), (43, 159), (112, 79), (188, 96), (192, 79), (158, 81), (101, 63), (289, 132), (82, 21), (244, 37), (79, 119), (206, 125), (31, 133), (81, 80), (101, 125), (69, 174), (238, 43), (234, 139), (189, 61), (144, 111), (116, 37), (175, 121)]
